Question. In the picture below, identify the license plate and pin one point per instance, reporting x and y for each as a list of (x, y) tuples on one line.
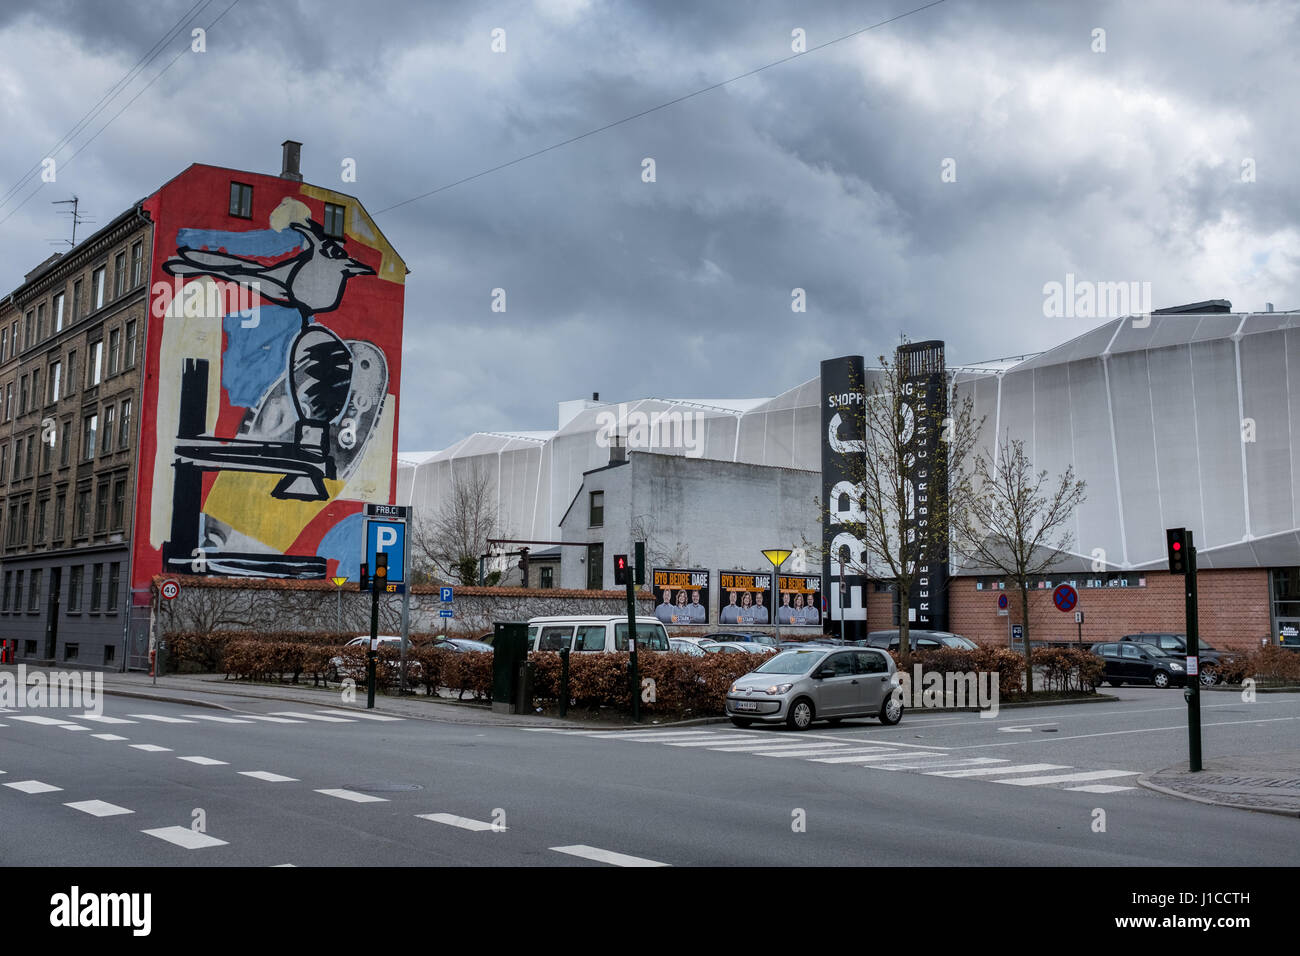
[(745, 704)]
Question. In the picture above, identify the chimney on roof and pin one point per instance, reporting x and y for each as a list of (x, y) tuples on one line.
[(595, 396), (617, 450), (292, 155), (1268, 306)]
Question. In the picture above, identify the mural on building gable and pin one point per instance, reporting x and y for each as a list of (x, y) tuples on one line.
[(276, 354)]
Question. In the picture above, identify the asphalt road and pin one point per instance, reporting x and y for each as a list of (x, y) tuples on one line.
[(1026, 788)]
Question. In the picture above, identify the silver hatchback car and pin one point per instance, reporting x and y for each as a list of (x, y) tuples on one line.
[(817, 683)]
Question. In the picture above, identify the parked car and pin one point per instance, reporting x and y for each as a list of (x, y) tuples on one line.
[(797, 687), (594, 633), (742, 637), (683, 645), (1210, 659), (461, 644), (736, 647), (340, 668), (920, 640), (1132, 662)]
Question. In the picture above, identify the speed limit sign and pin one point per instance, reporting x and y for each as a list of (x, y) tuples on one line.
[(170, 589)]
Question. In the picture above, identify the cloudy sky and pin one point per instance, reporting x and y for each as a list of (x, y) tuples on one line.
[(1168, 158)]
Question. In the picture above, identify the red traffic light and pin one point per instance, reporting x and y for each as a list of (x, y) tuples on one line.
[(1178, 546)]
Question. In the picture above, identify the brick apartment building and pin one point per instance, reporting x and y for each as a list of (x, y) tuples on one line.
[(206, 385)]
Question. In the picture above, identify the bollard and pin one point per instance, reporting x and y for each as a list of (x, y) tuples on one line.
[(564, 681)]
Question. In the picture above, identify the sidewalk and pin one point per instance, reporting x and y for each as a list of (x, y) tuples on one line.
[(1269, 783), (205, 690)]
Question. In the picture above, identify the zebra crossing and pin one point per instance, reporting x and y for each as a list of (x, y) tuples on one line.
[(876, 755)]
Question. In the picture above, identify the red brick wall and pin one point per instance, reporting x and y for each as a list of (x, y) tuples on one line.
[(1234, 610)]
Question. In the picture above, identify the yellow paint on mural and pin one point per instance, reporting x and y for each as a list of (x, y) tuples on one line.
[(359, 226), (243, 501)]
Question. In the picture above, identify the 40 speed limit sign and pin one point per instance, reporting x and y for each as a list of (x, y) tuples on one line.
[(170, 589)]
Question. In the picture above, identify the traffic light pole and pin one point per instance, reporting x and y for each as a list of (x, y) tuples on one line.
[(631, 643), (1193, 654)]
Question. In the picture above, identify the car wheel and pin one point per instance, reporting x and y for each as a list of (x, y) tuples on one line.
[(1160, 679), (1115, 683), (741, 721), (891, 710), (1209, 676), (801, 714)]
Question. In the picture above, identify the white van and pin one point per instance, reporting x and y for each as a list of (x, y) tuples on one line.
[(594, 633)]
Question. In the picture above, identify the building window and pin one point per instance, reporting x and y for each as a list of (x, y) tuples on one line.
[(47, 453), (28, 325), (42, 509), (595, 567), (137, 264), (88, 435), (22, 396), (34, 593), (114, 351), (65, 449), (334, 220), (9, 401), (24, 513), (128, 360), (4, 344), (114, 576), (597, 510), (124, 430), (4, 461), (11, 533), (106, 442), (119, 503), (58, 312), (547, 578), (36, 388), (241, 200), (56, 382), (18, 591), (97, 587), (119, 274), (28, 458), (29, 648), (40, 322), (97, 286), (77, 301), (83, 512), (9, 583), (18, 459), (109, 653), (70, 651), (101, 508), (60, 508), (72, 372), (95, 363), (74, 589)]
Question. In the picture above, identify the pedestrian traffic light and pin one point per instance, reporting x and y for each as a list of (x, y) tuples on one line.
[(640, 563), (620, 569), (1176, 539), (363, 579)]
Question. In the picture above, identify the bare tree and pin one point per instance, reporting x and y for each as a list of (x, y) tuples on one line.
[(899, 534), (447, 545), (1016, 523)]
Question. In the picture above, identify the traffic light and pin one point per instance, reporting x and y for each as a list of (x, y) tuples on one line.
[(381, 570), (640, 563), (620, 569), (363, 580), (1176, 539), (523, 565)]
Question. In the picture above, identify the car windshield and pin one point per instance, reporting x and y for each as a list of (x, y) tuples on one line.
[(790, 662)]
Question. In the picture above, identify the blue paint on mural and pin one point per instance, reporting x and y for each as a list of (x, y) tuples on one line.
[(257, 242), (343, 543), (255, 357)]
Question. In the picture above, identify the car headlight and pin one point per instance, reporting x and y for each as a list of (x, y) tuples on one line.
[(1174, 666), (776, 689), (735, 689)]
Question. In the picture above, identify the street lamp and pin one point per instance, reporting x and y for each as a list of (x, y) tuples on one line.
[(777, 556)]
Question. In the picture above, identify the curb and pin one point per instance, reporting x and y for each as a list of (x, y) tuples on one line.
[(171, 700), (1146, 781)]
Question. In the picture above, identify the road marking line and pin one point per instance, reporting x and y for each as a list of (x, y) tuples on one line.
[(955, 762), (858, 751), (73, 727), (109, 737), (267, 776), (667, 734), (320, 717), (1114, 733), (1069, 777), (987, 771), (43, 721), (273, 720), (32, 786), (353, 713), (221, 720), (1100, 788), (353, 796), (605, 856), (704, 742), (152, 748), (465, 823), (184, 837), (878, 757), (205, 761), (105, 719), (162, 719), (769, 745), (98, 808)]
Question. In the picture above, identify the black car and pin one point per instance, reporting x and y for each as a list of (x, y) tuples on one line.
[(1175, 645), (1131, 662)]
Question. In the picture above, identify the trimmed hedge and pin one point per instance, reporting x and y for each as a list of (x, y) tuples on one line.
[(1270, 665)]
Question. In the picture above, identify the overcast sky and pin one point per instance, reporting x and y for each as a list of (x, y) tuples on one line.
[(823, 173)]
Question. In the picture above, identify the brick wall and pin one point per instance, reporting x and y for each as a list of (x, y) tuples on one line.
[(1234, 610)]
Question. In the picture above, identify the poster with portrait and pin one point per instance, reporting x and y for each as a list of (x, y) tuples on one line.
[(744, 597), (681, 595), (801, 600)]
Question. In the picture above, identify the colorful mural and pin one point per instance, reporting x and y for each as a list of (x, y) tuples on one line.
[(273, 361)]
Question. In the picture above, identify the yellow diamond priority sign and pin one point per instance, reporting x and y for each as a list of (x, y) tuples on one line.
[(339, 582)]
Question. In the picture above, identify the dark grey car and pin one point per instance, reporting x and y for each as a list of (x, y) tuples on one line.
[(797, 687)]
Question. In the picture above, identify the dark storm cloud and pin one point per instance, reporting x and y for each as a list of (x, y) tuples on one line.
[(822, 173)]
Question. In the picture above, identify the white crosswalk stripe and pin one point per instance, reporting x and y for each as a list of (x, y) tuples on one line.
[(98, 808), (942, 762), (105, 719), (1100, 788), (42, 721), (267, 776), (465, 823), (221, 720), (1069, 777), (605, 856), (32, 786), (353, 796), (1001, 771), (205, 761), (274, 720), (185, 837), (162, 718), (361, 714), (323, 718)]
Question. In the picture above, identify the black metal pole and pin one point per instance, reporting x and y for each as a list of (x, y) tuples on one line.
[(1193, 654), (371, 653), (564, 681), (631, 643)]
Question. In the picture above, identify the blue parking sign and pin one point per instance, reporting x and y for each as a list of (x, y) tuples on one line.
[(387, 537), (444, 595)]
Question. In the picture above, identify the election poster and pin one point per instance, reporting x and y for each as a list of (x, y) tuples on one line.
[(744, 597), (801, 600), (681, 595)]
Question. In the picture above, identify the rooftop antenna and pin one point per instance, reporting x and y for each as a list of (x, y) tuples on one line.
[(77, 219)]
